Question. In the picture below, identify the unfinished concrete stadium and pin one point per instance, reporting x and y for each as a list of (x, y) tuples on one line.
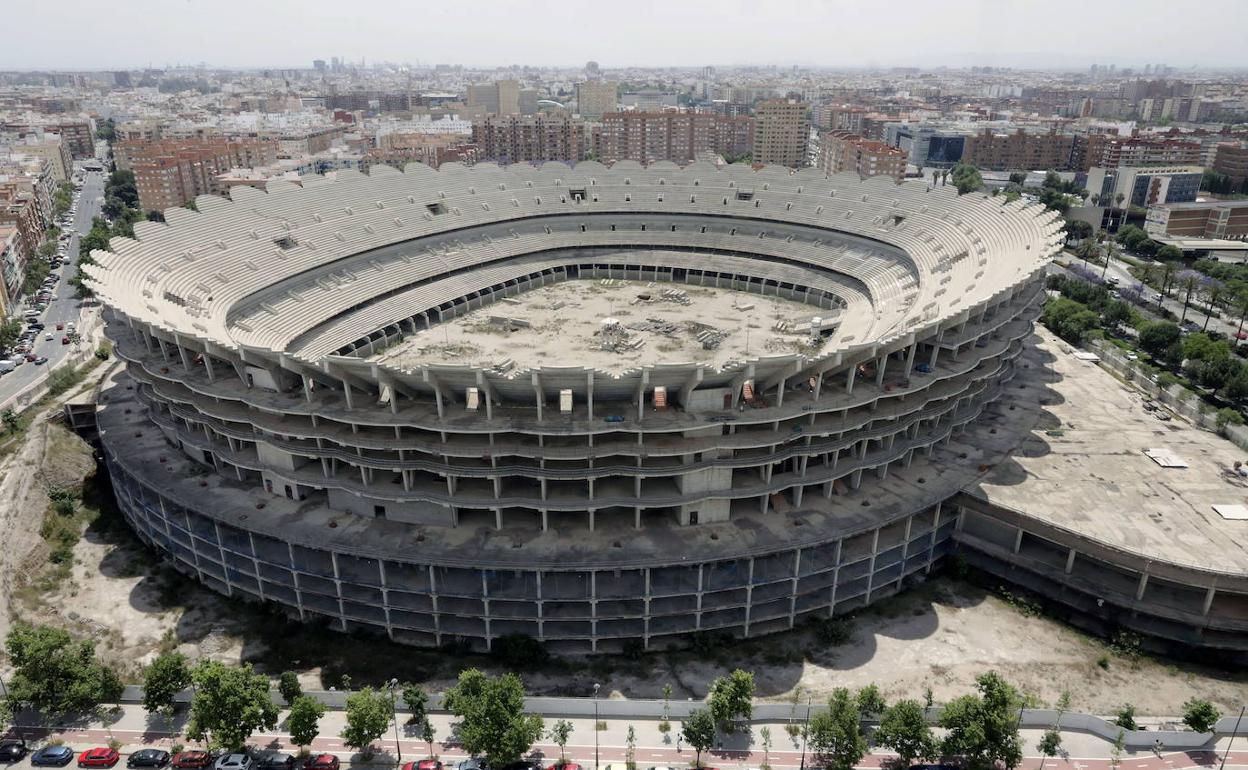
[(597, 406)]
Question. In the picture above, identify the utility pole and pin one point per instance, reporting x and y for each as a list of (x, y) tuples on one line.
[(1238, 719), (394, 714), (596, 686)]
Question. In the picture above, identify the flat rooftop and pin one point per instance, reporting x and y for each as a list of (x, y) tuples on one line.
[(614, 325), (1083, 467)]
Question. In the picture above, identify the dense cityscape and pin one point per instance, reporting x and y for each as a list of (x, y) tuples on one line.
[(439, 416)]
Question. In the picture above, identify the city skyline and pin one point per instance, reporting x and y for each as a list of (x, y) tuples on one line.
[(285, 34)]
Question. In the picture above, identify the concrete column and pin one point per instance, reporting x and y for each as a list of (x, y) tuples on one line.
[(1208, 601), (1070, 560), (881, 364), (589, 394), (1018, 540), (910, 358), (849, 379), (1139, 589)]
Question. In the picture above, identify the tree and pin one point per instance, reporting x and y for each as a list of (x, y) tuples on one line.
[(417, 701), (630, 748), (1169, 253), (1049, 744), (966, 178), (1200, 715), (368, 716), (427, 734), (492, 718), (288, 686), (698, 730), (904, 729), (229, 705), (304, 719), (1077, 229), (870, 702), (559, 733), (765, 735), (1115, 751), (1126, 717), (167, 676), (982, 727), (732, 697), (836, 735), (10, 330), (56, 675), (1158, 336)]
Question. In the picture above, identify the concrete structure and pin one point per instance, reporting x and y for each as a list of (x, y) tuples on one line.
[(1019, 151), (78, 137), (649, 137), (169, 173), (781, 132), (1231, 160), (530, 138), (1213, 219), (261, 443), (1145, 186), (843, 151), (595, 98)]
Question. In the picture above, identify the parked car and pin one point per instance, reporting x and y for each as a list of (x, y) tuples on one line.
[(235, 761), (100, 756), (52, 756), (424, 764), (41, 360), (191, 760), (12, 751), (322, 762), (148, 758), (64, 340), (474, 763), (275, 760)]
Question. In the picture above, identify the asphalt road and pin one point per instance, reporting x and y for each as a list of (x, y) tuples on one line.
[(64, 307)]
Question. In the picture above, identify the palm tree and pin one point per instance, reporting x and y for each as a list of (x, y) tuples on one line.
[(1085, 250), (1110, 253), (1189, 279), (1213, 292), (1168, 271), (1241, 300)]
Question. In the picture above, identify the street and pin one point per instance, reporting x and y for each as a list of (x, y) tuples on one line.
[(64, 307)]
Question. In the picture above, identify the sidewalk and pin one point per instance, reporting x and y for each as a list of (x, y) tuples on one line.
[(132, 727)]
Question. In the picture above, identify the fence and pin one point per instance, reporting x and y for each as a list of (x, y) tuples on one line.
[(1176, 398)]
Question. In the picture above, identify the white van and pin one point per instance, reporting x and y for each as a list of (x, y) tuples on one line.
[(7, 365)]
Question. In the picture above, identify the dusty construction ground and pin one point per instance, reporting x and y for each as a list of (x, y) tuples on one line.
[(565, 321)]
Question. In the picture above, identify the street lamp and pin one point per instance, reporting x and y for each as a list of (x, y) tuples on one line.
[(805, 731), (1234, 732), (398, 750), (596, 686)]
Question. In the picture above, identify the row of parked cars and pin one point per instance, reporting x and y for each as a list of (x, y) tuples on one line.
[(60, 755)]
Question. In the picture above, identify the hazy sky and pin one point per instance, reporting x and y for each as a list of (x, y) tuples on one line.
[(77, 34)]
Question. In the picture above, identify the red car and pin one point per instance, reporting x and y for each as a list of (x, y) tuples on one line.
[(322, 762), (64, 340), (101, 756), (191, 760), (424, 764)]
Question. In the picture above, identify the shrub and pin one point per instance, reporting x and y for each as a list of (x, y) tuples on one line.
[(1126, 717), (519, 651), (1200, 715), (832, 632)]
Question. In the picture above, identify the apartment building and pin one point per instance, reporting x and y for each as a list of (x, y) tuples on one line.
[(1231, 159), (78, 136), (12, 269), (1113, 151), (530, 138), (781, 132), (648, 137), (1019, 151), (398, 149), (595, 98), (839, 117), (168, 173), (844, 151), (503, 97), (1203, 219)]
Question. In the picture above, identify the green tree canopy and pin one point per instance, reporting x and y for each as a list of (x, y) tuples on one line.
[(966, 178), (732, 697), (368, 716), (836, 734), (492, 719), (230, 703), (698, 730), (167, 676), (417, 702), (870, 701), (560, 731), (288, 686), (982, 728), (1169, 253), (55, 674), (904, 729), (1200, 715), (303, 723)]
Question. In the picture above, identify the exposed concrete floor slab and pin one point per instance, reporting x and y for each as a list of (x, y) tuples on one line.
[(561, 326)]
